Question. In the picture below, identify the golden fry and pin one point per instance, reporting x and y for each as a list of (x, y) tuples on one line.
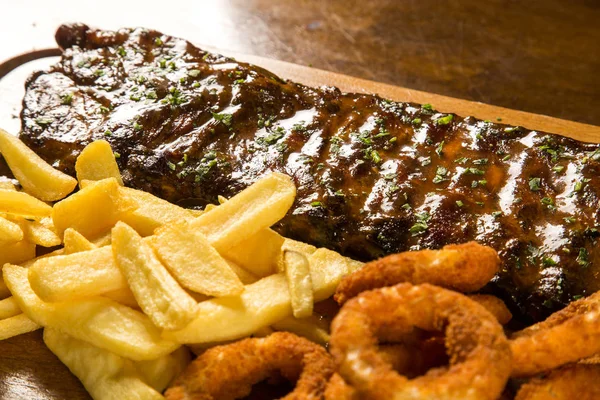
[(9, 308), (297, 273), (10, 232), (194, 262), (96, 162), (157, 293), (99, 321), (21, 203), (35, 175), (75, 242), (16, 325), (17, 253), (259, 253)]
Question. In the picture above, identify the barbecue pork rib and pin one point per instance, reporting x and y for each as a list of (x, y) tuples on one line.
[(374, 176)]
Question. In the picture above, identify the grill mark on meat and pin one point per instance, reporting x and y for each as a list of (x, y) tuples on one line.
[(374, 176)]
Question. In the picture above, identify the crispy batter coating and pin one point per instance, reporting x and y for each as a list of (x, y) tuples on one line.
[(228, 372), (338, 389), (463, 267), (494, 305), (480, 358), (574, 382), (568, 335)]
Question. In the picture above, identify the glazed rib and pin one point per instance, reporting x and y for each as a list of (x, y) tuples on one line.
[(374, 176)]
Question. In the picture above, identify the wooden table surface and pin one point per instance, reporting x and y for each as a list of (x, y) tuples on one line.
[(540, 56)]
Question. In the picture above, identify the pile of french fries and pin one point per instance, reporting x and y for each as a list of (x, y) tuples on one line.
[(131, 282)]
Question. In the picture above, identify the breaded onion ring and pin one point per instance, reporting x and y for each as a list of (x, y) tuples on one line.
[(567, 336), (228, 372), (463, 267), (575, 382), (480, 358), (494, 305), (338, 389)]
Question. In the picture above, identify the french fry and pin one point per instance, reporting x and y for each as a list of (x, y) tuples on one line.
[(35, 175), (21, 203), (75, 242), (250, 211), (297, 273), (77, 275), (123, 296), (9, 308), (10, 232), (194, 262), (246, 277), (106, 376), (151, 212), (39, 232), (17, 253), (16, 325), (103, 240), (31, 261), (258, 253), (99, 321), (261, 304), (311, 328), (161, 372), (96, 162), (157, 293), (93, 210), (300, 247)]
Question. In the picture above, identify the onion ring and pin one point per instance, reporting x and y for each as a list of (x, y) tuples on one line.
[(338, 389), (567, 336), (463, 267), (494, 305), (228, 372), (480, 358), (577, 381)]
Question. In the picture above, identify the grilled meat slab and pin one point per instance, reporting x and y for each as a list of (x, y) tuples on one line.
[(374, 176)]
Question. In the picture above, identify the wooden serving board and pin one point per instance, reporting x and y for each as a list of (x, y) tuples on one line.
[(28, 370)]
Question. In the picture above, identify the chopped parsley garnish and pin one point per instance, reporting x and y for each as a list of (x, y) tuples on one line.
[(66, 99), (439, 150), (461, 160), (459, 203), (121, 51), (480, 203), (535, 184), (582, 258), (506, 157), (99, 72), (510, 129), (549, 261), (481, 161), (578, 186), (117, 155), (316, 204), (274, 136), (496, 214), (107, 132), (440, 175), (569, 220), (416, 121), (137, 126), (104, 110), (225, 119), (43, 121), (158, 41), (425, 161), (194, 73), (475, 171), (547, 201), (558, 169), (375, 156), (421, 225), (171, 166), (162, 63), (444, 120), (427, 107), (406, 206)]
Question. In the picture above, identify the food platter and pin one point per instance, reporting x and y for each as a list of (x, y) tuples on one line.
[(29, 370)]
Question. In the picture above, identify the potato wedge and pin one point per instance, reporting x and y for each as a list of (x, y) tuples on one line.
[(9, 308), (35, 175), (194, 262), (32, 261), (77, 275), (99, 321), (297, 273), (16, 325), (258, 253), (151, 212), (105, 375), (40, 232), (250, 211), (261, 304), (17, 253), (75, 242), (124, 296), (10, 233), (21, 203), (93, 210), (156, 291), (311, 328), (96, 162), (161, 372), (300, 247)]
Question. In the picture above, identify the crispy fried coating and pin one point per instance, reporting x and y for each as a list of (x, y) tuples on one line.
[(228, 372), (479, 353), (567, 336), (338, 389), (494, 305), (573, 382), (463, 267)]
